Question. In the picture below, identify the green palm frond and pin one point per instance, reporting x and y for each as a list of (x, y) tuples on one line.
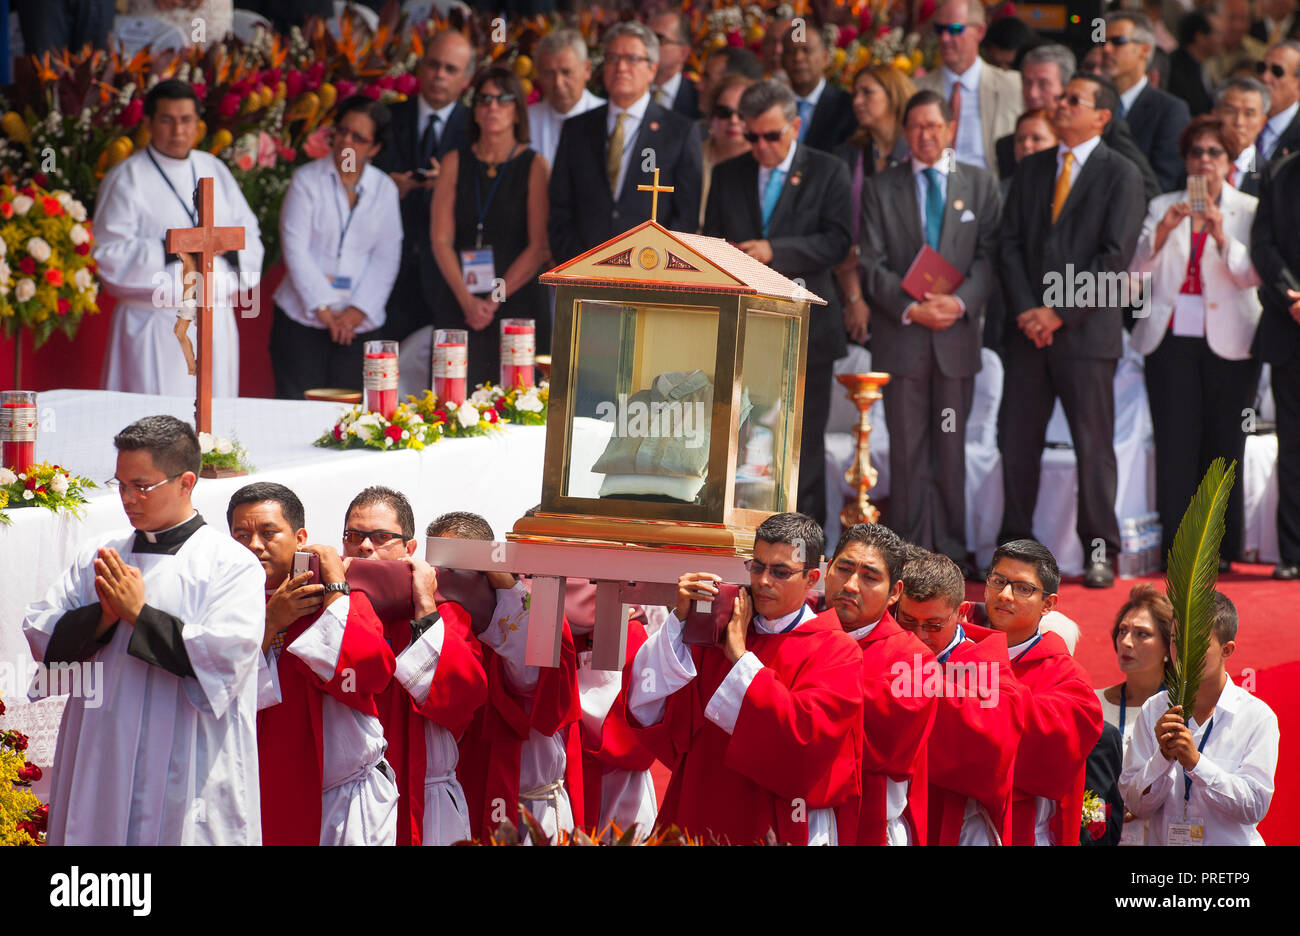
[(1193, 573)]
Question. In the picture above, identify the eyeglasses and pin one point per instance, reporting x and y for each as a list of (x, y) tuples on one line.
[(376, 537), (780, 573), (1019, 589), (1073, 100), (723, 112), (503, 98), (1117, 41), (139, 490), (914, 626), (952, 29), (771, 136), (668, 40), (1214, 152), (616, 59), (343, 133), (1262, 68)]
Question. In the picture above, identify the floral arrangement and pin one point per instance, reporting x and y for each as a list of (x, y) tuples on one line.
[(23, 818), (47, 276), (222, 453), (408, 429), (43, 485), (522, 406), (425, 419), (1095, 813)]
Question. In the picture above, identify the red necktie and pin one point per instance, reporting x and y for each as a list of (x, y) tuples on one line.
[(1232, 175)]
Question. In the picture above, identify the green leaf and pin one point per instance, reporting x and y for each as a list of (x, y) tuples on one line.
[(1193, 573)]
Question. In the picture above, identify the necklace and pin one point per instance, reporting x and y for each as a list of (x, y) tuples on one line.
[(492, 166)]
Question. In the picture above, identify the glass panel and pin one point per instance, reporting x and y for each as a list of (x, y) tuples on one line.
[(642, 401), (769, 368)]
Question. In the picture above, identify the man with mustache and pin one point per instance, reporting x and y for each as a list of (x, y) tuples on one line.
[(862, 581)]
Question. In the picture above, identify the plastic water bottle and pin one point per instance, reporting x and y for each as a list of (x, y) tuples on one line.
[(1130, 549)]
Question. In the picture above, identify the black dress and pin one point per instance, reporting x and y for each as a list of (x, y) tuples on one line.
[(505, 230)]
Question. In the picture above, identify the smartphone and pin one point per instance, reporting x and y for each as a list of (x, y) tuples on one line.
[(706, 624), (307, 562), (1196, 193), (420, 175)]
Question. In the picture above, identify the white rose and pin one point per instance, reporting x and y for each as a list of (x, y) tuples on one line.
[(529, 403), (206, 442), (481, 395), (7, 477), (77, 211), (22, 204), (81, 279), (467, 416), (59, 484), (24, 290), (4, 248), (78, 235), (39, 249), (4, 268), (64, 200), (224, 447)]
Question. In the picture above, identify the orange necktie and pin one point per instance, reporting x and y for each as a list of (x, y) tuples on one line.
[(1062, 186)]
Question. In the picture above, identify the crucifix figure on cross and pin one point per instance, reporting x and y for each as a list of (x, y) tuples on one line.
[(198, 247), (654, 188)]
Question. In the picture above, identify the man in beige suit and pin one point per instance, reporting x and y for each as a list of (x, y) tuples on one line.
[(985, 101)]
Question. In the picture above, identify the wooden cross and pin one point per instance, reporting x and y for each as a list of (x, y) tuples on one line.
[(655, 188), (207, 243)]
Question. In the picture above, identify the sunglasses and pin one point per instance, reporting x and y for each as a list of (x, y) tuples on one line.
[(771, 136), (1073, 100), (376, 537), (914, 626), (780, 573), (952, 29), (723, 112), (503, 98), (1262, 68), (1214, 152), (1118, 41)]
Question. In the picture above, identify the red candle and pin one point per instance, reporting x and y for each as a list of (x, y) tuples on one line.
[(450, 364), (18, 431), (380, 377), (517, 346)]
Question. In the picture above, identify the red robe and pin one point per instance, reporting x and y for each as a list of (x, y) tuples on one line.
[(795, 744), (896, 730), (617, 747), (459, 689), (490, 749), (972, 748), (290, 745), (1062, 724)]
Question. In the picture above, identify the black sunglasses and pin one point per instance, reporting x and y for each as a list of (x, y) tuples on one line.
[(1118, 40), (723, 112), (771, 136), (952, 29), (504, 98), (1214, 152), (1265, 67), (376, 537)]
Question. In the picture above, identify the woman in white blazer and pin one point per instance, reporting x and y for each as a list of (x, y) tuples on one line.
[(1196, 334)]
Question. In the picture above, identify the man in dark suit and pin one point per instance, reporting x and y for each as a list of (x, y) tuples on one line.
[(1275, 253), (424, 129), (672, 89), (607, 152), (825, 112), (1155, 117), (1044, 72), (1278, 21), (931, 345), (1280, 73), (1187, 79), (1072, 220), (787, 205), (1242, 105)]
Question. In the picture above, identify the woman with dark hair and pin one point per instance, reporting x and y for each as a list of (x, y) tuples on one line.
[(726, 136), (1198, 328), (880, 95), (341, 254), (476, 224)]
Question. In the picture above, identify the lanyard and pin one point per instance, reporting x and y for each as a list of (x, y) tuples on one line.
[(956, 641), (1030, 647), (1123, 706), (344, 225), (482, 207), (188, 206), (1187, 781)]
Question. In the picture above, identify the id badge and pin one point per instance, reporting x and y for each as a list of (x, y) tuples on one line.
[(478, 269), (1189, 316), (1189, 833), (342, 283)]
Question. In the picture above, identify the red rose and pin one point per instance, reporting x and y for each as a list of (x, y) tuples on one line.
[(338, 432), (27, 265), (287, 153), (229, 105), (490, 415), (294, 84), (40, 179), (345, 89), (200, 89), (29, 773), (2, 707), (41, 815), (735, 40), (408, 84), (132, 113), (29, 827), (394, 433), (31, 483), (28, 191), (15, 739), (1096, 830), (54, 277), (51, 206), (64, 306), (6, 210), (315, 75), (439, 416), (374, 92), (500, 404), (82, 249)]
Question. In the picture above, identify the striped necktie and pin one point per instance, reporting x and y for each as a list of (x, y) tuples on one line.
[(614, 158)]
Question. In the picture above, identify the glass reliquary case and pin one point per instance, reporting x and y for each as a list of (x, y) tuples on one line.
[(676, 395)]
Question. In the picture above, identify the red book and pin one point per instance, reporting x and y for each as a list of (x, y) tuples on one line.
[(930, 273), (706, 624)]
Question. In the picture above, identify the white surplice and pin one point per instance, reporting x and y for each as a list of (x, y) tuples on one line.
[(163, 760), (133, 213)]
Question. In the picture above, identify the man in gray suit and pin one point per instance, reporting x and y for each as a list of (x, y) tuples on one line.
[(931, 346)]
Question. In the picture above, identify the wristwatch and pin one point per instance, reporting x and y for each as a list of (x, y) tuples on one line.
[(343, 588)]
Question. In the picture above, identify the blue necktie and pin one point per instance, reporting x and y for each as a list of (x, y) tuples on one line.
[(1260, 142), (1121, 110), (933, 207), (805, 117), (771, 195)]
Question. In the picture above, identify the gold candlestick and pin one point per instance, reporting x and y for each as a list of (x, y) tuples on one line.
[(863, 390)]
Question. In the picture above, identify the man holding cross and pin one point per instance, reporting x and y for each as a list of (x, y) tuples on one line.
[(140, 200)]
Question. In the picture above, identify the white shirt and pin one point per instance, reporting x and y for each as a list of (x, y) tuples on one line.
[(1232, 783), (1081, 154), (1272, 131), (764, 174), (922, 189), (1245, 165), (632, 123), (1128, 97), (423, 110), (545, 123), (670, 89), (970, 128), (335, 256)]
